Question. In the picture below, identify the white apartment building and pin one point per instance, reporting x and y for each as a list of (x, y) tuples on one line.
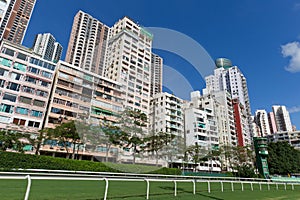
[(166, 114), (25, 81), (282, 118), (223, 109), (261, 119), (129, 62), (205, 126), (46, 46), (229, 78), (156, 74), (87, 43)]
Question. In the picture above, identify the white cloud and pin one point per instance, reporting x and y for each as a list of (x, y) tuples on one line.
[(294, 109), (292, 50)]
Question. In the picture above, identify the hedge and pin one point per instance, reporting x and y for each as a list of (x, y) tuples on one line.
[(10, 160)]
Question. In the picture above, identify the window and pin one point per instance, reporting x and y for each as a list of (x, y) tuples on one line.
[(21, 56), (34, 124), (5, 62), (20, 67), (33, 70), (6, 108), (41, 93), (44, 83), (9, 52), (23, 111), (30, 79), (2, 82), (46, 74), (39, 103), (28, 89), (15, 76), (25, 100), (3, 72), (56, 110), (4, 119), (9, 97), (19, 121), (35, 113), (13, 86)]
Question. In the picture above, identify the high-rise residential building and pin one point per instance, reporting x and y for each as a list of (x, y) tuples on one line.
[(3, 8), (241, 123), (57, 52), (87, 43), (156, 74), (166, 115), (261, 119), (230, 78), (16, 16), (46, 46), (129, 62), (224, 115), (282, 118), (25, 81), (81, 95), (201, 121), (272, 122)]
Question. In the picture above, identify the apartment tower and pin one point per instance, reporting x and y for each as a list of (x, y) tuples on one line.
[(261, 119), (282, 118), (16, 16), (46, 46), (129, 62), (87, 43), (229, 78), (156, 74)]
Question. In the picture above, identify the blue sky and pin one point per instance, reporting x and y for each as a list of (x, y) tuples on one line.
[(260, 37)]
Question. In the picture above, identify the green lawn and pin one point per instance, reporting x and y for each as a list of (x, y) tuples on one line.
[(92, 190)]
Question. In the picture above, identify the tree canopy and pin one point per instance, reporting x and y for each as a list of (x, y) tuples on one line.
[(283, 158)]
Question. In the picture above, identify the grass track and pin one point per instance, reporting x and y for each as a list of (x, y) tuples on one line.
[(92, 190)]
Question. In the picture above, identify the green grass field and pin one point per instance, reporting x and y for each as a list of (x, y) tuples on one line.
[(92, 190)]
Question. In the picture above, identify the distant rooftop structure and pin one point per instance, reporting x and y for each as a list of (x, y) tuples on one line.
[(223, 62)]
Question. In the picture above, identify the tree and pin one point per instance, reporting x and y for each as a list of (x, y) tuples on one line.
[(283, 158), (196, 153), (157, 142), (105, 133), (13, 140), (67, 133), (133, 125)]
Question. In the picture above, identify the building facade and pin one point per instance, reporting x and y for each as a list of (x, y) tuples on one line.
[(261, 119), (25, 80), (81, 95), (15, 20), (282, 118), (156, 74), (87, 43), (272, 122), (46, 46), (129, 62), (229, 78)]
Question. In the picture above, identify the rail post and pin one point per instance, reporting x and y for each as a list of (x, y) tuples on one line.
[(208, 186), (28, 187), (175, 189), (148, 188), (194, 186), (222, 187), (106, 188), (232, 188)]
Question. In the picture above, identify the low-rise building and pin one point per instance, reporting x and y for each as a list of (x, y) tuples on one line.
[(25, 81)]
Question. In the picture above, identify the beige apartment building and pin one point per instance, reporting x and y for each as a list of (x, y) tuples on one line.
[(25, 81)]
